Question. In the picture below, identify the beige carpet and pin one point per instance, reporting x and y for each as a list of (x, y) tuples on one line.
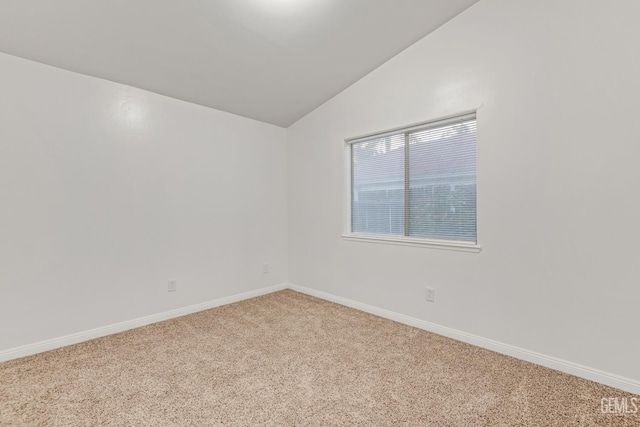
[(290, 359)]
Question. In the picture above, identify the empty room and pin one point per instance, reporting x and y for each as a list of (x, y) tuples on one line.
[(319, 212)]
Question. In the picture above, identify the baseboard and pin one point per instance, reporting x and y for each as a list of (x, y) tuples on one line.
[(625, 384), (66, 340)]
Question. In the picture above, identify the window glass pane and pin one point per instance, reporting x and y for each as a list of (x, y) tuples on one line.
[(442, 182), (377, 199)]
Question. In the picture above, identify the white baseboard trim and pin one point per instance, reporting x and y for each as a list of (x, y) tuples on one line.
[(622, 383), (76, 338)]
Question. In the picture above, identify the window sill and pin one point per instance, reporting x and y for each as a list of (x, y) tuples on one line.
[(410, 241)]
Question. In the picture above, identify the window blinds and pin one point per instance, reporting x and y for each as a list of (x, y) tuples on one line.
[(417, 182)]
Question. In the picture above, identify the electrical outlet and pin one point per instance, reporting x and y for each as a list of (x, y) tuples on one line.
[(265, 268), (431, 294), (173, 286)]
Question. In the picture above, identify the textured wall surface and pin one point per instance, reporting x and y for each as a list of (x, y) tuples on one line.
[(554, 85), (109, 192)]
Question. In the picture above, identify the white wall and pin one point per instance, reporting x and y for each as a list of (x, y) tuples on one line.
[(556, 87), (107, 192)]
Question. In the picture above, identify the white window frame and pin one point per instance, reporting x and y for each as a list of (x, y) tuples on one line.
[(396, 239)]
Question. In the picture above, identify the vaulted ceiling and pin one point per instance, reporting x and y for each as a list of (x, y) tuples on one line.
[(270, 60)]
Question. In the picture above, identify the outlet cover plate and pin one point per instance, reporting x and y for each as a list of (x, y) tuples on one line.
[(431, 294)]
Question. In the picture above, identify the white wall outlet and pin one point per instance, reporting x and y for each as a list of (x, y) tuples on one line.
[(265, 268), (431, 294), (173, 286)]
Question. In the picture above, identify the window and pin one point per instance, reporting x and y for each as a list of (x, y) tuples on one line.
[(416, 185)]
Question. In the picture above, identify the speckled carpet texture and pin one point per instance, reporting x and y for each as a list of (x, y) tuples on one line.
[(288, 359)]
